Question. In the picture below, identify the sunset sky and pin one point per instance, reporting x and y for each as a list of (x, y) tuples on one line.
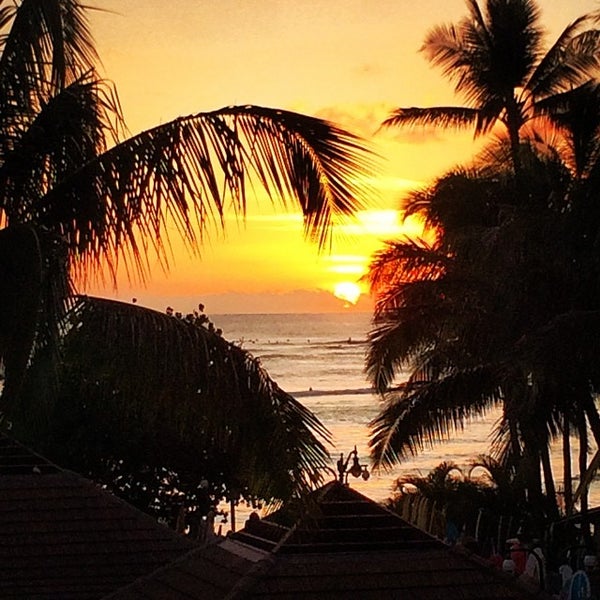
[(349, 61)]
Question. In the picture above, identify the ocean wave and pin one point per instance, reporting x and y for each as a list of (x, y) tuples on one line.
[(338, 343), (290, 342), (284, 356), (312, 360), (341, 392)]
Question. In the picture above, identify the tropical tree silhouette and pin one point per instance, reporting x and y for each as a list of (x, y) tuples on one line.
[(479, 316), (78, 200), (481, 502), (495, 58), (501, 309), (165, 404)]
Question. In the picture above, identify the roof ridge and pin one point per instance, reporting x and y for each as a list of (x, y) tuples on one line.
[(7, 442), (118, 593)]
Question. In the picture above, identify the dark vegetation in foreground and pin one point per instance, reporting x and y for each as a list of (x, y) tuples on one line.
[(500, 307), (177, 465), (481, 512)]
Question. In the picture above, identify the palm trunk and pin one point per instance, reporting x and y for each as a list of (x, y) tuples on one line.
[(21, 289), (549, 483), (583, 451), (591, 413), (567, 471), (533, 476), (513, 125), (588, 409)]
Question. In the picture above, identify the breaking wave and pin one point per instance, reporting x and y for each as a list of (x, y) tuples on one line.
[(341, 392)]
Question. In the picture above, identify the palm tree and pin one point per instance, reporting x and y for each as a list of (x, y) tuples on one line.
[(502, 309), (79, 200), (479, 314), (495, 57), (465, 313), (481, 502), (167, 403)]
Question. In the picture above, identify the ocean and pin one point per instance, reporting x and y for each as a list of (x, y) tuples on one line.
[(319, 359)]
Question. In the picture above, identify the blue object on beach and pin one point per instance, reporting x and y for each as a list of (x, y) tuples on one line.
[(580, 588)]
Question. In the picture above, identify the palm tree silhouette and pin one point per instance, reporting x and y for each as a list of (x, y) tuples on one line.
[(495, 58), (481, 315), (79, 199), (474, 316)]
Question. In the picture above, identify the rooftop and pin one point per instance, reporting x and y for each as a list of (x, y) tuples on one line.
[(61, 536), (339, 545)]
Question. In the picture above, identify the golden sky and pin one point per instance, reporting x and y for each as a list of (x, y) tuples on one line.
[(349, 61)]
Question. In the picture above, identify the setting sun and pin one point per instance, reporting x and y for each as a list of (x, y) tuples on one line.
[(347, 291)]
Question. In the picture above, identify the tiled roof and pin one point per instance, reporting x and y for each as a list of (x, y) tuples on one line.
[(62, 537), (209, 573), (344, 547), (341, 520), (429, 575), (348, 546), (16, 459)]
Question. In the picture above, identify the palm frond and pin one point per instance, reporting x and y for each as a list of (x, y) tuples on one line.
[(514, 43), (422, 414), (407, 322), (494, 470), (487, 54), (462, 199), (157, 375), (445, 47), (436, 483), (458, 199), (401, 262), (187, 171), (20, 292), (443, 116), (387, 355), (574, 334), (577, 114), (48, 45), (71, 130), (569, 61), (478, 19)]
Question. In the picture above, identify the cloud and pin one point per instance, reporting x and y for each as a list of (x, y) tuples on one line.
[(296, 301), (287, 221), (413, 135), (363, 119), (346, 258), (356, 270)]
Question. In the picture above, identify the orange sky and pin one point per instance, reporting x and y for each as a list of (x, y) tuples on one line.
[(350, 61)]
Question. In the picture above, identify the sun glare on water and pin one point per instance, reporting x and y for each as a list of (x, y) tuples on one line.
[(347, 291)]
